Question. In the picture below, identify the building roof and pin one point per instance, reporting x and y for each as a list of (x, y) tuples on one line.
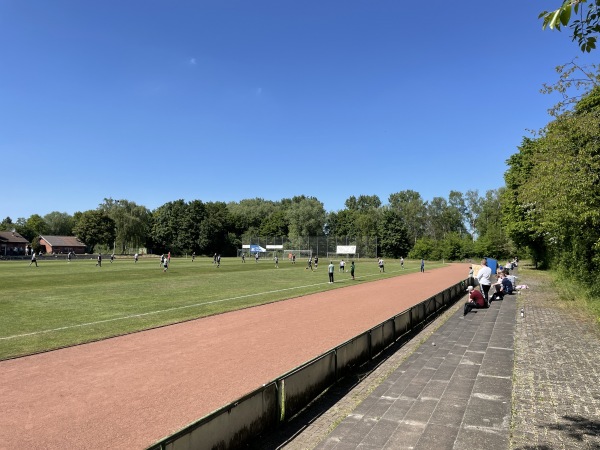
[(63, 241), (12, 237)]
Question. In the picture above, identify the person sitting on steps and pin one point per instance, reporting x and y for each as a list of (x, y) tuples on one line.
[(476, 300)]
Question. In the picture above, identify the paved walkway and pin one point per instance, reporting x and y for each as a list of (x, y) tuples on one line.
[(490, 380)]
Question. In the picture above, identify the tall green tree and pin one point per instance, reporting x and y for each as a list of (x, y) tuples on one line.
[(521, 219), (393, 236), (413, 211), (59, 223), (95, 228), (168, 220), (214, 232), (7, 224), (342, 223), (132, 221), (306, 217), (275, 224)]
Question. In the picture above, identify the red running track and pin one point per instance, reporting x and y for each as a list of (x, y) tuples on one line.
[(130, 391)]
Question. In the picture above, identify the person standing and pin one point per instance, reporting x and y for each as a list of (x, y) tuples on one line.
[(165, 264), (256, 257), (69, 257), (243, 257), (218, 260), (401, 262), (33, 259), (293, 258), (342, 265), (276, 262), (135, 258), (381, 266), (316, 261), (352, 269), (422, 265), (112, 257), (193, 256), (99, 263), (484, 276), (331, 269)]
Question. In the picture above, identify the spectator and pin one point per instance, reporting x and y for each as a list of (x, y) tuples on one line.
[(484, 276), (476, 300)]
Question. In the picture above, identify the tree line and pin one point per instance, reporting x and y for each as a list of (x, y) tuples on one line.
[(453, 228)]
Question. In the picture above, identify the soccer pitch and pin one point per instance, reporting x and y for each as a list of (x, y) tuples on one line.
[(60, 304)]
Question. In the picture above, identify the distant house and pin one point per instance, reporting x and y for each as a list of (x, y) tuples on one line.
[(62, 244), (12, 244)]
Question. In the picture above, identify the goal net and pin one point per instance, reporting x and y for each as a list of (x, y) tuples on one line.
[(300, 254)]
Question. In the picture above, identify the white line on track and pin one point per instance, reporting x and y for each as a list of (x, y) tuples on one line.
[(195, 305)]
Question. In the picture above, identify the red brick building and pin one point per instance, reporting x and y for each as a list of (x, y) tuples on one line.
[(12, 244), (62, 244)]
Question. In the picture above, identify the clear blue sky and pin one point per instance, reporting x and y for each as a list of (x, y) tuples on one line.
[(157, 100)]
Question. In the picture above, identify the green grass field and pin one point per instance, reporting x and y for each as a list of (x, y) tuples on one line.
[(59, 304)]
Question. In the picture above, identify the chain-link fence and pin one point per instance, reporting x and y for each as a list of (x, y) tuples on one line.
[(366, 247)]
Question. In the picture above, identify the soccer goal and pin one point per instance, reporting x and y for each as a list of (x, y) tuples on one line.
[(300, 254)]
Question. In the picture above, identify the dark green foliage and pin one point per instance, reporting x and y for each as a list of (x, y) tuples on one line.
[(552, 201), (393, 237), (95, 228)]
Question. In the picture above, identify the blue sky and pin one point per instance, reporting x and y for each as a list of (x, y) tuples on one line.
[(155, 100)]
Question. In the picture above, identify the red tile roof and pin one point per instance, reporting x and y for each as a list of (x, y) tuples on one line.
[(12, 237), (63, 241)]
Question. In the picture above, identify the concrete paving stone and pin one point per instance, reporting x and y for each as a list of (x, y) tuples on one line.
[(459, 388), (434, 389), (437, 437), (487, 413), (379, 408), (435, 362), (474, 438), (478, 347), (474, 357), (356, 434), (364, 407), (498, 362), (414, 390), (444, 372), (345, 446), (380, 433), (468, 371), (406, 436), (453, 359), (466, 336), (421, 411), (498, 341), (399, 409), (500, 388), (365, 446), (329, 443), (449, 412), (460, 348)]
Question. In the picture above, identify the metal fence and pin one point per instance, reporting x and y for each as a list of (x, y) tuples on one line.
[(366, 247)]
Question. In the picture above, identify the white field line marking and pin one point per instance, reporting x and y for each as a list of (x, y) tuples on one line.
[(133, 316)]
